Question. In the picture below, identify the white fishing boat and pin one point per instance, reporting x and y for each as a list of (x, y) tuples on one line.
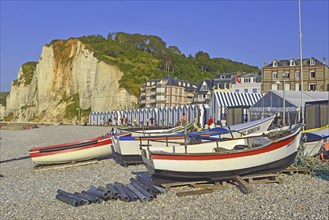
[(313, 140), (149, 131), (75, 151), (128, 148), (257, 155)]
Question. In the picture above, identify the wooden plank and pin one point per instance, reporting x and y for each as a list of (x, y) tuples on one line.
[(62, 166), (263, 178), (293, 170), (203, 185), (175, 184), (247, 188), (194, 192), (209, 186)]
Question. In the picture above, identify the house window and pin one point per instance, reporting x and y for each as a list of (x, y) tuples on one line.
[(312, 74), (254, 90), (246, 80), (312, 87), (297, 74), (292, 63), (237, 90), (297, 87), (312, 62), (274, 86), (246, 90), (275, 64), (274, 75)]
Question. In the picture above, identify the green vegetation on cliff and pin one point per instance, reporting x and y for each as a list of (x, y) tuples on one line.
[(27, 74), (3, 96), (143, 57), (73, 108)]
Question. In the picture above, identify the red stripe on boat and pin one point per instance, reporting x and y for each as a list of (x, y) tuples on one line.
[(36, 153), (213, 156)]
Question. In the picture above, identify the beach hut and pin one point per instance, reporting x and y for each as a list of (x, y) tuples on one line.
[(232, 106), (314, 103), (160, 116)]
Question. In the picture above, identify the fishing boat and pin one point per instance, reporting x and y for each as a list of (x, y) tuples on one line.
[(257, 155), (313, 139), (128, 148), (149, 131), (75, 151)]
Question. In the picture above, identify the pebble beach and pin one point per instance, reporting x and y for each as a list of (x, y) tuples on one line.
[(29, 194)]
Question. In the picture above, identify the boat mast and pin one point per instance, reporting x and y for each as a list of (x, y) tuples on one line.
[(301, 64)]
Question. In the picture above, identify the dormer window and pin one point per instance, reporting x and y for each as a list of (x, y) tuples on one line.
[(312, 62), (275, 63), (292, 62)]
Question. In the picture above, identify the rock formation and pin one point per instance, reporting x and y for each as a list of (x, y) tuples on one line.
[(66, 79)]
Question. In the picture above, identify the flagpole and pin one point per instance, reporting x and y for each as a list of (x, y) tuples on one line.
[(301, 63)]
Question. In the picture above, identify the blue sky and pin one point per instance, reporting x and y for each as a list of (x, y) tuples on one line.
[(246, 31)]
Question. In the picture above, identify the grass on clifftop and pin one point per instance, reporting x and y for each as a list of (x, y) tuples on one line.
[(144, 57)]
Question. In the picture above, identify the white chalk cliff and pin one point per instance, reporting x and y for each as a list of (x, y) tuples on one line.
[(66, 70)]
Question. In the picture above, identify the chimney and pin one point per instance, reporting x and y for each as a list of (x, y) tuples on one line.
[(324, 61), (265, 63)]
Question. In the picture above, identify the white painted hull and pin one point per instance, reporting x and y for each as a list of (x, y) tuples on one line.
[(132, 147), (312, 148), (270, 157), (75, 156)]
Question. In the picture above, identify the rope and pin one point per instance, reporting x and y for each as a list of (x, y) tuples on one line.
[(313, 163)]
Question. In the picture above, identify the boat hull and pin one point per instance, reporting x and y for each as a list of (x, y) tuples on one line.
[(99, 147), (272, 156), (131, 146), (88, 152), (164, 176)]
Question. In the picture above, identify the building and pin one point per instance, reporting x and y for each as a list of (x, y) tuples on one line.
[(285, 74), (228, 82), (247, 83), (166, 92), (203, 93)]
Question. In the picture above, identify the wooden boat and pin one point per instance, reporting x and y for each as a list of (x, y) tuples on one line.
[(149, 131), (75, 151), (128, 148), (258, 155), (313, 139)]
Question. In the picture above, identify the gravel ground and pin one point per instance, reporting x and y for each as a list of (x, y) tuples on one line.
[(26, 194)]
